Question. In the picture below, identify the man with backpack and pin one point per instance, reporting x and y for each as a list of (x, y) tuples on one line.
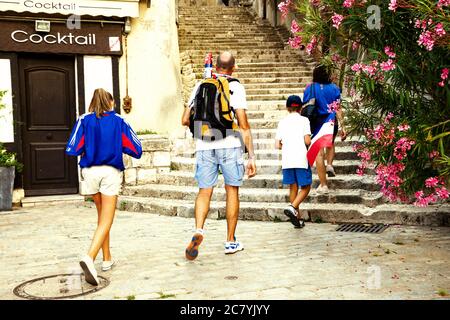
[(211, 112)]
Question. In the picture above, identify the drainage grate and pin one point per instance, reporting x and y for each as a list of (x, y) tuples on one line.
[(59, 286), (362, 227)]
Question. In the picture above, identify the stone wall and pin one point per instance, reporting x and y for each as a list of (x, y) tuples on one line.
[(154, 161), (153, 69)]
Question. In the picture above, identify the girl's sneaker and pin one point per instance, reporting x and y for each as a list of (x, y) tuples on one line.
[(107, 265), (90, 274), (233, 247), (330, 171), (292, 214)]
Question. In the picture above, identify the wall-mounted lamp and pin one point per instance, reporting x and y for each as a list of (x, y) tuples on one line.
[(127, 104), (42, 26), (127, 29)]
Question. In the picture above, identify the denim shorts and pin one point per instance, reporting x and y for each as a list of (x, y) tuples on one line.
[(230, 161), (301, 177)]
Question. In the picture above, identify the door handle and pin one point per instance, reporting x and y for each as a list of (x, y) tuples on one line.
[(49, 136)]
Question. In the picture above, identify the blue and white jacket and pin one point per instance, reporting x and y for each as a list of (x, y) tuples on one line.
[(101, 141)]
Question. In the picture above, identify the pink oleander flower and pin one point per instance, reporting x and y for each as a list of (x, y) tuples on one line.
[(433, 154), (355, 45), (314, 3), (311, 45), (334, 106), (378, 132), (443, 3), (356, 67), (402, 146), (426, 40), (365, 155), (295, 28), (285, 7), (388, 65), (403, 127), (389, 52), (419, 194), (425, 201), (444, 74), (442, 193), (439, 30), (337, 20), (369, 69), (295, 42), (348, 3), (432, 182), (393, 5), (389, 117)]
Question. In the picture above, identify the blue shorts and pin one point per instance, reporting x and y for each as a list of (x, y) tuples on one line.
[(301, 177), (230, 161)]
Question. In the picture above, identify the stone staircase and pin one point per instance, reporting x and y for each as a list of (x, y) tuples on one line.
[(270, 72)]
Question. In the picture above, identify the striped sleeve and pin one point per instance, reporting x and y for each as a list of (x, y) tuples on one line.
[(131, 144), (76, 143)]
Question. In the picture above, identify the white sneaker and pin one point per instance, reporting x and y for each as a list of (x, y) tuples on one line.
[(322, 190), (90, 274), (107, 265), (233, 247)]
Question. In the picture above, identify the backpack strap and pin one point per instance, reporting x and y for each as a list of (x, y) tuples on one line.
[(230, 80)]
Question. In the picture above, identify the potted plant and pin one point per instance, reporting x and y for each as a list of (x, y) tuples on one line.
[(8, 165)]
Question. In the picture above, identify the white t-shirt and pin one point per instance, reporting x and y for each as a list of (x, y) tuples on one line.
[(238, 100), (292, 131)]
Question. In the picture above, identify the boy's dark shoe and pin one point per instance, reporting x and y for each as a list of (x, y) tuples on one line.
[(291, 213)]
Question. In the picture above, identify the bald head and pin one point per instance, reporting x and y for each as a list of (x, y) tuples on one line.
[(225, 62)]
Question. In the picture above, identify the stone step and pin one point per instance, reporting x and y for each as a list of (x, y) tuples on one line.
[(335, 213), (274, 85), (278, 91), (265, 80), (342, 153), (198, 59), (189, 37), (273, 181), (271, 166), (285, 69), (267, 97), (270, 114), (225, 47), (267, 143), (261, 54), (171, 192)]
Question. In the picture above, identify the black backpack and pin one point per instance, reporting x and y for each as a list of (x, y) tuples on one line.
[(212, 117)]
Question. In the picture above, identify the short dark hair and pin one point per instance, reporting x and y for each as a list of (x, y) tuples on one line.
[(321, 75), (225, 65)]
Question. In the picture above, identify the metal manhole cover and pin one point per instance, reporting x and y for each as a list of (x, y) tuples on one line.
[(59, 286), (362, 227)]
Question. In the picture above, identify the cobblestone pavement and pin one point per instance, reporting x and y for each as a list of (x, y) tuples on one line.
[(279, 262)]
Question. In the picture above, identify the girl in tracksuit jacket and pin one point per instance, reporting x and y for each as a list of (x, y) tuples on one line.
[(100, 137)]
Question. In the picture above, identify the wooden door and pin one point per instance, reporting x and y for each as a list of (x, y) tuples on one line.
[(48, 108)]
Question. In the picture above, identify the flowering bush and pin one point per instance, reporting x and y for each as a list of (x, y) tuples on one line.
[(391, 59), (7, 159)]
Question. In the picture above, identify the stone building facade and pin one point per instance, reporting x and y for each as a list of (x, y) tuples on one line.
[(54, 54)]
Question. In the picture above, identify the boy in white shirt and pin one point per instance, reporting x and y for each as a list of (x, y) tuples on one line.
[(292, 137)]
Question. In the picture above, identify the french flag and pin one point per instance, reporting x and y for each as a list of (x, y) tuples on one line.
[(323, 138)]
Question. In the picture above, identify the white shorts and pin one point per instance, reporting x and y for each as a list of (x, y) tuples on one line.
[(104, 179)]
